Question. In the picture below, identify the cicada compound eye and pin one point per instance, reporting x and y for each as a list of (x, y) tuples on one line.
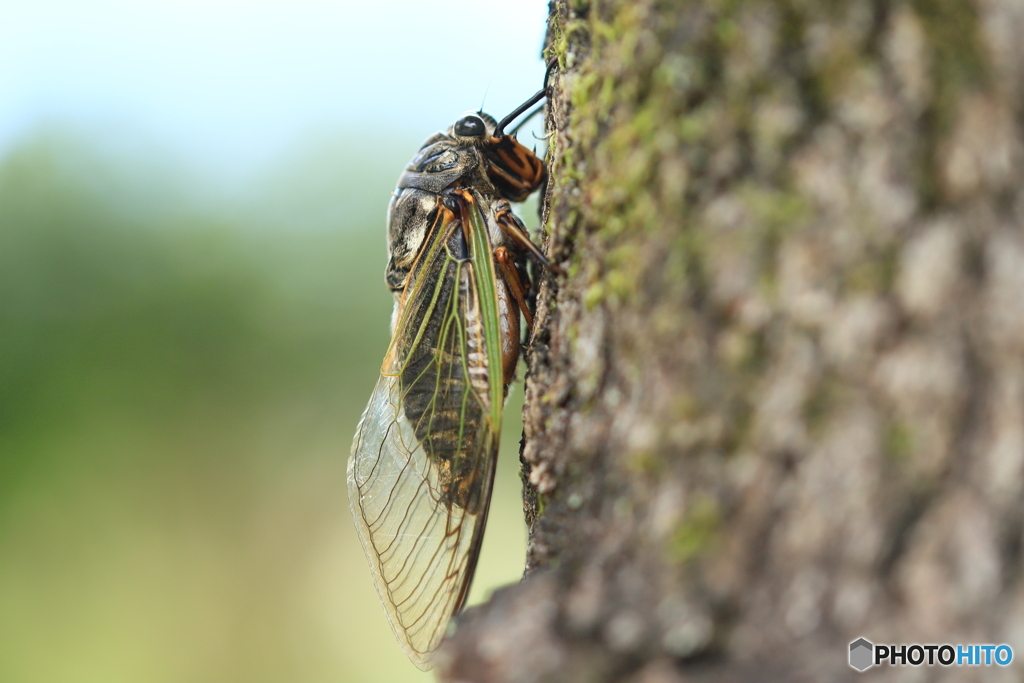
[(470, 126)]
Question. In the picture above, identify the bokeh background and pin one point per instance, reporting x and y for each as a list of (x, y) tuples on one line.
[(193, 314)]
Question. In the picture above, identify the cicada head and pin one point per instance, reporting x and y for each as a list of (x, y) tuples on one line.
[(513, 169)]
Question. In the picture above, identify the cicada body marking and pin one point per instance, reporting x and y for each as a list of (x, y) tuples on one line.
[(423, 458)]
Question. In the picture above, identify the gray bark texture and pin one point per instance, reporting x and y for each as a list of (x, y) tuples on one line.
[(775, 401)]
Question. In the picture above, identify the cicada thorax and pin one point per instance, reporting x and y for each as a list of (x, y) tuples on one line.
[(471, 155)]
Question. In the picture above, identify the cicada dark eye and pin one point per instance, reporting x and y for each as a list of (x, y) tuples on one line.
[(471, 126)]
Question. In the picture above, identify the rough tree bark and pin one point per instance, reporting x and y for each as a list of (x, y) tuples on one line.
[(776, 401)]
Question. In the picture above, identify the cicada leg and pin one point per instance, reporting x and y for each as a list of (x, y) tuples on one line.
[(515, 283), (514, 228), (511, 284)]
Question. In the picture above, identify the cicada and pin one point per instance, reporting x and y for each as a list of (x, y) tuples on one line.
[(423, 457)]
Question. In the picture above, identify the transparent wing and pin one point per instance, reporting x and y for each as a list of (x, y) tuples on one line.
[(422, 462)]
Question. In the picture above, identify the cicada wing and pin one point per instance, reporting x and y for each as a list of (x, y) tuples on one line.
[(422, 462), (421, 549)]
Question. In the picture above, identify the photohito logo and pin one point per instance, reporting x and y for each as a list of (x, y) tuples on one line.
[(865, 654)]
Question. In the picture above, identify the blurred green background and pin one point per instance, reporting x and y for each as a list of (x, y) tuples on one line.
[(185, 350), (179, 387)]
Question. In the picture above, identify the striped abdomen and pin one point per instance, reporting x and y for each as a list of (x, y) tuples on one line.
[(445, 384)]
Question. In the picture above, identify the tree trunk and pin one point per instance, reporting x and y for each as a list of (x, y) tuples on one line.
[(775, 401)]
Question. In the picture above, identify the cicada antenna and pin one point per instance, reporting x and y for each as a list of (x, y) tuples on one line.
[(540, 95), (484, 98)]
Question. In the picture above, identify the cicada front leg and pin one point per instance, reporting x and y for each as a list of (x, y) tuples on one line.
[(514, 228)]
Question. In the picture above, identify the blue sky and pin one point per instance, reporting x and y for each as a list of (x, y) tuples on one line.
[(230, 84)]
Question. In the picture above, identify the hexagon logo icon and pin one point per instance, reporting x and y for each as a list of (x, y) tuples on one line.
[(861, 654)]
